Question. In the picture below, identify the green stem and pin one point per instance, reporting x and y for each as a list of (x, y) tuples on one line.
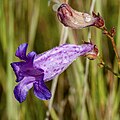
[(11, 107)]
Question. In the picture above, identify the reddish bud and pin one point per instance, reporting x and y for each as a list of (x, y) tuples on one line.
[(112, 32)]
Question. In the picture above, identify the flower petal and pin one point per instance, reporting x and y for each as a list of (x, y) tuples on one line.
[(17, 68), (40, 89), (21, 90), (24, 69), (30, 56), (21, 51)]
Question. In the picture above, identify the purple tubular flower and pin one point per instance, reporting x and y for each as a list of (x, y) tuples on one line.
[(77, 20), (34, 70)]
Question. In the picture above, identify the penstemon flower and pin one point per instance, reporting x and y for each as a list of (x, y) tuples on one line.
[(77, 20), (34, 70)]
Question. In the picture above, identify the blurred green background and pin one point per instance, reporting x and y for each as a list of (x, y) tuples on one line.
[(35, 22)]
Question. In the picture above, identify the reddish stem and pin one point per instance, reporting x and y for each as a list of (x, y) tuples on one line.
[(111, 36)]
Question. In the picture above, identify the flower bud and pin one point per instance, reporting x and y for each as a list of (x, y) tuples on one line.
[(77, 20)]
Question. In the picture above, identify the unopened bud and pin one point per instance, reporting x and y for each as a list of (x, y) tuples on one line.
[(77, 20)]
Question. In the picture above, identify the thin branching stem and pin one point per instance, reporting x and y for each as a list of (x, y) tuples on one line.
[(110, 35), (103, 64)]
